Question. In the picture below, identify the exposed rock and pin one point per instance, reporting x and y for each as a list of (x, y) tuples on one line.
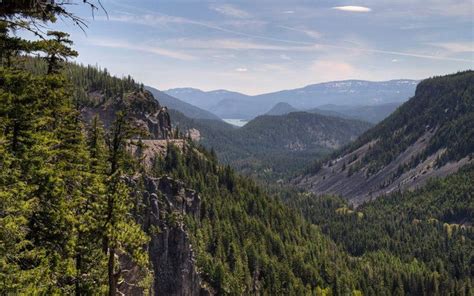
[(335, 177), (170, 250), (171, 255), (142, 110), (194, 134), (428, 136), (152, 148)]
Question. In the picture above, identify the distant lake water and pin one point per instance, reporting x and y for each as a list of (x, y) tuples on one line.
[(236, 122)]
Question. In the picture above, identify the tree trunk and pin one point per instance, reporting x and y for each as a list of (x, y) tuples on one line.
[(111, 274)]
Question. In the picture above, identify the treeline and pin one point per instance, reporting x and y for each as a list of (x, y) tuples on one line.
[(91, 85), (432, 225)]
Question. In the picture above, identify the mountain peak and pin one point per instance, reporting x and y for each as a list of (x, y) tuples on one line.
[(281, 108)]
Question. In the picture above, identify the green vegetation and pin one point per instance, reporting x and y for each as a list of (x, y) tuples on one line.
[(432, 225), (272, 147), (64, 207), (67, 210), (91, 86), (246, 240), (442, 105)]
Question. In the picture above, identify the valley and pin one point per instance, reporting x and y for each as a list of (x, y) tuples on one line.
[(112, 187)]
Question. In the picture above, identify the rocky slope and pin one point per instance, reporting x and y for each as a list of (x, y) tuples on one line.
[(429, 136), (163, 201), (141, 109)]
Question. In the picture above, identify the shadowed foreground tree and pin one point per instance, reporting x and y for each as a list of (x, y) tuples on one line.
[(61, 195)]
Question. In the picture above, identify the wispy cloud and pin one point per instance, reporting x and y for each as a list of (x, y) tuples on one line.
[(160, 19), (241, 70), (147, 19), (232, 11), (455, 47), (292, 46), (236, 44), (308, 32), (120, 44), (353, 8)]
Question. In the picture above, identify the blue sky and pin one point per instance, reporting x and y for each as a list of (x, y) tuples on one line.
[(262, 46)]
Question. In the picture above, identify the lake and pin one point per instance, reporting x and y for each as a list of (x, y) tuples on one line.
[(236, 122)]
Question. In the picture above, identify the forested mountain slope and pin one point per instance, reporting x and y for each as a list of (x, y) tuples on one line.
[(248, 242), (432, 225), (430, 135), (369, 113), (237, 240), (274, 146)]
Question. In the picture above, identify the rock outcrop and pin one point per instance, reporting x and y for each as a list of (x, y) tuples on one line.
[(142, 110), (166, 201)]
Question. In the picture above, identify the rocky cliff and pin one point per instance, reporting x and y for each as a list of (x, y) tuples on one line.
[(165, 202), (141, 109), (170, 251)]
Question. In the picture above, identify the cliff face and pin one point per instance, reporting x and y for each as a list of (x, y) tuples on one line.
[(163, 201), (142, 110), (171, 255)]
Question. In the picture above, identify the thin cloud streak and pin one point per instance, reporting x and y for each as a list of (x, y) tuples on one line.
[(456, 47), (167, 18), (144, 48), (229, 10), (310, 33)]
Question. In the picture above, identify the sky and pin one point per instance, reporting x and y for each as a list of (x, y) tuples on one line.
[(262, 46)]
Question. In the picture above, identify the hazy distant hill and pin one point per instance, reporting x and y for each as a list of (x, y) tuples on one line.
[(281, 109), (228, 104), (273, 145), (370, 113), (176, 104), (205, 99), (431, 135)]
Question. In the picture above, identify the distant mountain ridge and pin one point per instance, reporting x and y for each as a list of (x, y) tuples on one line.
[(204, 99), (176, 104), (370, 113), (228, 104), (431, 135)]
